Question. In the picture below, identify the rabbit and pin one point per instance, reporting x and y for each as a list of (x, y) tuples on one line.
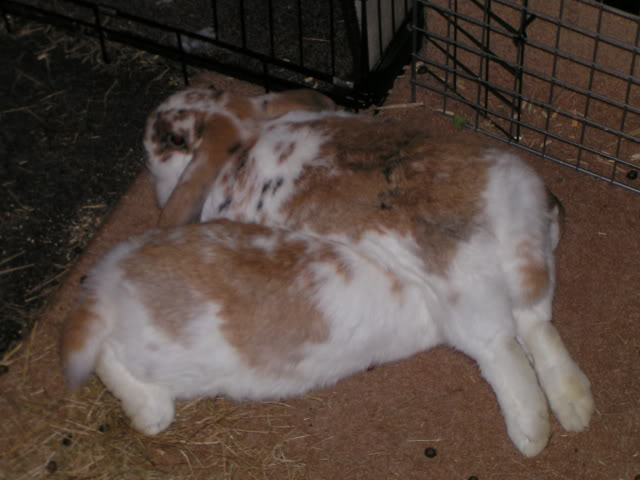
[(473, 229), (243, 310), (174, 129), (256, 312)]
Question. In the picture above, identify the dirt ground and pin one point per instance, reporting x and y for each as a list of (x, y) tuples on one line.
[(69, 147), (430, 416)]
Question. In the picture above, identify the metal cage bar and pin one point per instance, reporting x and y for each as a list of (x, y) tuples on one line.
[(514, 61)]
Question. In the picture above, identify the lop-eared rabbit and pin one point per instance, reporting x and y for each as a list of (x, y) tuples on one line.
[(341, 242)]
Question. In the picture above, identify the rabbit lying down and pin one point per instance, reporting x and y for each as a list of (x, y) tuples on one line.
[(334, 256)]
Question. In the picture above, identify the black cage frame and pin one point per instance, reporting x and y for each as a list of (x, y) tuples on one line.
[(344, 73)]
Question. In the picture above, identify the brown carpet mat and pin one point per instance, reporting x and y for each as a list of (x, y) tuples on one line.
[(375, 425)]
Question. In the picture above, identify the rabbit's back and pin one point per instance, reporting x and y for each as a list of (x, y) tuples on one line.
[(346, 175), (253, 312)]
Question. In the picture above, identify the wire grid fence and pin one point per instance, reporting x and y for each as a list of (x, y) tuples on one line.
[(349, 49), (558, 79)]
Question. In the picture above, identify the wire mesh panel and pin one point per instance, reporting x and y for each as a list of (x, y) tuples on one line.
[(560, 79), (348, 48)]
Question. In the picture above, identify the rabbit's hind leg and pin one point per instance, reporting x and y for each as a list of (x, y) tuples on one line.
[(530, 270), (567, 388), (484, 329), (505, 366), (150, 407)]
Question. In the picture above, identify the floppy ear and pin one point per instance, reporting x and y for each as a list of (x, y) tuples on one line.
[(278, 104), (220, 140), (203, 80)]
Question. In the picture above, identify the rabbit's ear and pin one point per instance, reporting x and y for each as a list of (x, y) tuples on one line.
[(277, 104), (220, 140), (203, 80)]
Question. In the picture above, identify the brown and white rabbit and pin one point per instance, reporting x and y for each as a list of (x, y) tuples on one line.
[(175, 131), (243, 310), (438, 243), (256, 312)]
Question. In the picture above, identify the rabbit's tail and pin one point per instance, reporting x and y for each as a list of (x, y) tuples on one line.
[(527, 220), (557, 215), (86, 329)]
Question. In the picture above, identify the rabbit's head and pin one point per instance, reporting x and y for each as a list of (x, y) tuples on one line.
[(192, 133)]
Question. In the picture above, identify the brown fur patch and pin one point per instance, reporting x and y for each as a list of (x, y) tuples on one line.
[(397, 287), (77, 328), (200, 95), (204, 80), (264, 295), (392, 177), (164, 284), (303, 99), (241, 107), (165, 124), (535, 281), (534, 273), (286, 152), (342, 269), (162, 127)]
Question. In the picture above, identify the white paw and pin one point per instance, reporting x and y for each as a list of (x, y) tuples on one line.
[(530, 431), (154, 416), (569, 394)]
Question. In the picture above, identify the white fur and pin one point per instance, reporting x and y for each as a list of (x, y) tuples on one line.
[(166, 176)]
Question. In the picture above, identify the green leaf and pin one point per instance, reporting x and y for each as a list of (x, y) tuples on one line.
[(459, 122)]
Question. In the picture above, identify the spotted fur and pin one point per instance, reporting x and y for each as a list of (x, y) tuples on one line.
[(203, 118)]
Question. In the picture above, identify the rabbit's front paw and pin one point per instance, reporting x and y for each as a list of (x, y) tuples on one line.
[(569, 393)]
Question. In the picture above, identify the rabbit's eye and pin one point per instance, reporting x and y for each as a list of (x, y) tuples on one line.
[(176, 141)]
